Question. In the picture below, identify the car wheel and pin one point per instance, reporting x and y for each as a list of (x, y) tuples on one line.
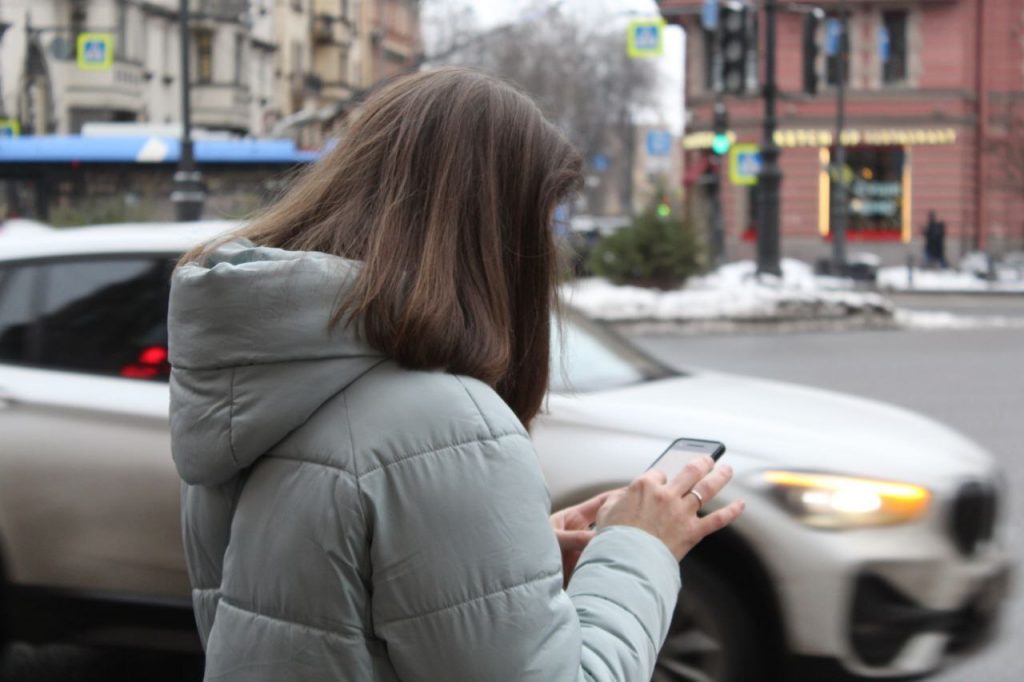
[(712, 637)]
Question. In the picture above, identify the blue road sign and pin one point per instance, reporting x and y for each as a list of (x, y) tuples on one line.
[(95, 51), (599, 162), (709, 15), (833, 34), (884, 45), (646, 37), (659, 142), (744, 164)]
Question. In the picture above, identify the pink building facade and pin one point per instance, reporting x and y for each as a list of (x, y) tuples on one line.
[(933, 89)]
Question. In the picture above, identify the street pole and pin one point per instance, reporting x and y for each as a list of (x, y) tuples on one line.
[(839, 199), (717, 237), (770, 178), (188, 194)]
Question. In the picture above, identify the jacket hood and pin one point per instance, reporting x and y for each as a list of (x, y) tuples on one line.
[(251, 354)]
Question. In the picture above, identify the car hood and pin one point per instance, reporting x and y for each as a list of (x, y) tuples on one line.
[(774, 424)]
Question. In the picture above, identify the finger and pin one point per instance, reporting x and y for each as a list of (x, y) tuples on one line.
[(588, 510), (720, 519), (654, 476), (573, 540), (694, 470), (712, 484)]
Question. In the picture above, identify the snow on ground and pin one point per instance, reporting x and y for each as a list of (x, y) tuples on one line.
[(896, 279), (935, 320), (732, 292)]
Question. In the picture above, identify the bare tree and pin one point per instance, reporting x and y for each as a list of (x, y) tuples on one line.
[(576, 69)]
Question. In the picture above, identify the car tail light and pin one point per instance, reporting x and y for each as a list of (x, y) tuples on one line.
[(150, 364)]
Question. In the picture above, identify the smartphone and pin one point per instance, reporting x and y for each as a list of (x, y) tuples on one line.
[(681, 451)]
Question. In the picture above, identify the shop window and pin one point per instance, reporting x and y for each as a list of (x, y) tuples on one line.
[(893, 46), (874, 183)]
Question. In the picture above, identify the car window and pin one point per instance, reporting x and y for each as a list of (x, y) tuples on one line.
[(586, 357), (17, 285), (106, 316)]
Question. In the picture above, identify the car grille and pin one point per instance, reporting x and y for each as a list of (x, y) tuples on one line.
[(973, 517)]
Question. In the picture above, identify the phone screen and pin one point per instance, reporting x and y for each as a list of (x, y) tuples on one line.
[(682, 450)]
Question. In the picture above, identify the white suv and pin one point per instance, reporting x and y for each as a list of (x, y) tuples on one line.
[(871, 544)]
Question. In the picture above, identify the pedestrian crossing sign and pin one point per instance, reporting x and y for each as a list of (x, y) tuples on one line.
[(744, 164), (95, 51), (646, 38), (9, 127)]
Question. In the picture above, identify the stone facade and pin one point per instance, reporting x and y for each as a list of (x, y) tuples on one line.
[(258, 67)]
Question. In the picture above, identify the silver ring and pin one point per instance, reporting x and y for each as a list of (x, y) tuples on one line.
[(700, 499)]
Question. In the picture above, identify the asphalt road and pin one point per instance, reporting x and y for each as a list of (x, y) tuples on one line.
[(972, 380)]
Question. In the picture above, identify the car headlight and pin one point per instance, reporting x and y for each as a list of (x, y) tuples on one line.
[(831, 501)]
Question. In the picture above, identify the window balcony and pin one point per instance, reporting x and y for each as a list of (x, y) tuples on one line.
[(221, 106), (122, 87)]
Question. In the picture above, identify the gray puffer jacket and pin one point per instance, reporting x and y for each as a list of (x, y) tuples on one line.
[(347, 519)]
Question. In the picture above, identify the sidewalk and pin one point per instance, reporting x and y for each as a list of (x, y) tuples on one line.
[(1009, 281)]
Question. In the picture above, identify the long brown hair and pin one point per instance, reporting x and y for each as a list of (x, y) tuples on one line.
[(444, 187)]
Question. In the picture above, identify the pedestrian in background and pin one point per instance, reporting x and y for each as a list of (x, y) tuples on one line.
[(354, 376), (934, 242)]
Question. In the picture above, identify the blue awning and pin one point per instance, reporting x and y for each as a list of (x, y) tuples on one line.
[(75, 148)]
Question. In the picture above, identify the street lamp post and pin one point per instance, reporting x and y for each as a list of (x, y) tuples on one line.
[(770, 178), (188, 195), (839, 199)]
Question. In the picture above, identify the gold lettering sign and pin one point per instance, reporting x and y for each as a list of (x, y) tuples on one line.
[(852, 137)]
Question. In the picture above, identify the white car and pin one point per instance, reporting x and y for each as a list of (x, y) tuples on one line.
[(872, 542)]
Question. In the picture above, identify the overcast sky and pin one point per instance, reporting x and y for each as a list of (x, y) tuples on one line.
[(670, 81)]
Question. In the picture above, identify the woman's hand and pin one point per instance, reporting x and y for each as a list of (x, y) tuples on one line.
[(573, 530), (667, 509)]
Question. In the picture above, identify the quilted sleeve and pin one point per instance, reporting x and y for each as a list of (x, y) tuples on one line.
[(467, 581)]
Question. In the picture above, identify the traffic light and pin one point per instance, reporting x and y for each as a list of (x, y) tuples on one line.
[(732, 34), (811, 22), (720, 143)]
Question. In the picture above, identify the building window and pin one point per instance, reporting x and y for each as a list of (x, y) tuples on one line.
[(892, 38), (837, 49), (204, 52), (77, 24), (239, 57), (121, 37), (344, 65)]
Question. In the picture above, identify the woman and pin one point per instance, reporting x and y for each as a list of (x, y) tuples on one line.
[(353, 379)]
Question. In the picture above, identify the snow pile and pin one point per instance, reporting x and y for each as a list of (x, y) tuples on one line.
[(896, 279), (732, 292)]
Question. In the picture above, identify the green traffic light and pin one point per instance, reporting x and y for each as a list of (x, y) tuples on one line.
[(720, 143), (664, 210)]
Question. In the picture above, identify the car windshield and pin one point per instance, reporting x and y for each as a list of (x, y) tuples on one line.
[(593, 358)]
